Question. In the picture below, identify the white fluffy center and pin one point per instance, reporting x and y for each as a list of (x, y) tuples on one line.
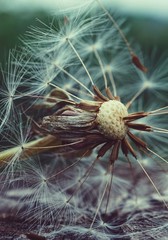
[(110, 119)]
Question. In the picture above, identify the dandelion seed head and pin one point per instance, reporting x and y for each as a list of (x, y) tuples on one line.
[(110, 119)]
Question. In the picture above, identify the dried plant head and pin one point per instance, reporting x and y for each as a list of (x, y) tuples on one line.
[(84, 112)]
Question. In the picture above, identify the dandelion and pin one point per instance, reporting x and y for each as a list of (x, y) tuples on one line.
[(98, 143)]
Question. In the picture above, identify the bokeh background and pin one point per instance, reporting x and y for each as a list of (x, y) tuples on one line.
[(148, 20)]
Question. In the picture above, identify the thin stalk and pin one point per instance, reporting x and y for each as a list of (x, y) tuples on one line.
[(116, 26), (99, 205), (112, 82), (135, 97), (76, 80), (153, 184), (70, 94), (101, 66), (28, 149), (80, 59)]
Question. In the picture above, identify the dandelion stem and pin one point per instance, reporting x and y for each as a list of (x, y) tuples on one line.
[(68, 167), (80, 59), (28, 149), (153, 184), (54, 146), (161, 130), (55, 86), (112, 82), (83, 179), (101, 66), (159, 113), (159, 109), (134, 58), (110, 187), (116, 26), (157, 155), (76, 80), (99, 205), (135, 96)]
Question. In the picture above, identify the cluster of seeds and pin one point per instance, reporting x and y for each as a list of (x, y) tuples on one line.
[(110, 119)]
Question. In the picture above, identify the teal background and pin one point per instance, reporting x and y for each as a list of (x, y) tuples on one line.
[(149, 32)]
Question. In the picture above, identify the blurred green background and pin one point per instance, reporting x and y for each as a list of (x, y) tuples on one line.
[(149, 31), (13, 26)]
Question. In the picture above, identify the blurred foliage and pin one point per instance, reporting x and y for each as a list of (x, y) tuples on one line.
[(150, 32), (13, 26), (145, 31)]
